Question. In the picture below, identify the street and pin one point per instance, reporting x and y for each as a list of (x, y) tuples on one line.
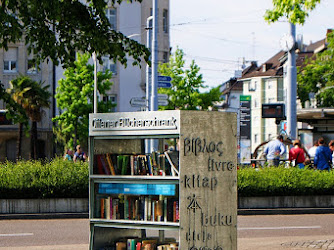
[(254, 232)]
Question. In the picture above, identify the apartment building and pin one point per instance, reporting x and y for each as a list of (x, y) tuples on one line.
[(267, 84), (15, 62)]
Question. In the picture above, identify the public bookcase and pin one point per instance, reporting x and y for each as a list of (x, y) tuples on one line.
[(163, 180)]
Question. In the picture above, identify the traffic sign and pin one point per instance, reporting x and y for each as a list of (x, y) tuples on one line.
[(164, 85), (163, 96), (162, 102), (164, 82), (138, 102), (164, 78)]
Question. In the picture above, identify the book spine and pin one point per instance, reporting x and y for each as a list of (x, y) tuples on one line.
[(107, 208), (111, 165), (102, 208)]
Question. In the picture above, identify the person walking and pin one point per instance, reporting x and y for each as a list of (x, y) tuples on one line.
[(297, 154), (79, 155), (274, 150), (323, 156)]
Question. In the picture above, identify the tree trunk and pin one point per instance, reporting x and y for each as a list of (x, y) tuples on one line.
[(19, 142), (33, 141)]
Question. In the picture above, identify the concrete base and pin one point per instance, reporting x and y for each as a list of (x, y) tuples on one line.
[(33, 206), (272, 202)]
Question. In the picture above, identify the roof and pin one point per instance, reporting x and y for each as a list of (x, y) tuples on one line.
[(316, 47), (274, 66), (231, 84)]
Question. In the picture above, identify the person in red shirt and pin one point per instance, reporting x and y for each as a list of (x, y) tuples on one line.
[(297, 154)]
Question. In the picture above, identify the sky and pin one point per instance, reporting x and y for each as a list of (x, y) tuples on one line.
[(219, 34)]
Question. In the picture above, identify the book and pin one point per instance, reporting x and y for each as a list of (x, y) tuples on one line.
[(110, 164), (121, 246), (131, 244), (100, 169), (102, 201), (138, 246), (174, 170), (149, 164), (104, 165), (107, 208)]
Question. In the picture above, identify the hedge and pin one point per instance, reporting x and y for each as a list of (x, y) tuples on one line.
[(37, 179), (280, 181), (65, 179)]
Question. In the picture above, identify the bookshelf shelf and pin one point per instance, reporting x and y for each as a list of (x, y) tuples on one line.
[(136, 224)]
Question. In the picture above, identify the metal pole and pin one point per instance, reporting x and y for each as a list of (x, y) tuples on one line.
[(148, 68), (154, 89), (154, 94), (148, 78), (95, 82), (292, 88)]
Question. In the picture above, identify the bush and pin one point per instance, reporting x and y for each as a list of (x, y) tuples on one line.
[(65, 179), (279, 181), (34, 179)]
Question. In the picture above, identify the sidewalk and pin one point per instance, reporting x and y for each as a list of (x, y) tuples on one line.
[(54, 247)]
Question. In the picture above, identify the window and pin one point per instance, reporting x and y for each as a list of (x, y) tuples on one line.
[(252, 85), (165, 57), (10, 60), (111, 15), (113, 100), (165, 21), (32, 67), (256, 138), (109, 64)]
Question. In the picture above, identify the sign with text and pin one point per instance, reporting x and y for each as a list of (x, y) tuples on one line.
[(245, 117), (164, 82), (208, 180)]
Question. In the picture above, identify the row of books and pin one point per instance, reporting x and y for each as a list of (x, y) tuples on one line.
[(141, 208), (142, 244), (148, 164)]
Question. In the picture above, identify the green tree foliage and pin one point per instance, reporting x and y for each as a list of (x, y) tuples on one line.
[(75, 95), (295, 11), (184, 93), (16, 113), (57, 29), (318, 77), (207, 98), (30, 96)]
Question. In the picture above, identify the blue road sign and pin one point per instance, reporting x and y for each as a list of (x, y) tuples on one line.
[(164, 82), (164, 85), (164, 78)]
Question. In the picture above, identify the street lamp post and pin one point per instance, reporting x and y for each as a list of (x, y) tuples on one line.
[(292, 88), (95, 82)]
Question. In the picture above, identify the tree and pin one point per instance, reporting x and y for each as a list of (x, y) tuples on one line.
[(317, 77), (74, 97), (31, 96), (207, 98), (184, 93), (16, 113), (295, 11), (57, 29)]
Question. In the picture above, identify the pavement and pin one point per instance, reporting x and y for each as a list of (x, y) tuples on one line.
[(275, 211), (268, 243)]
